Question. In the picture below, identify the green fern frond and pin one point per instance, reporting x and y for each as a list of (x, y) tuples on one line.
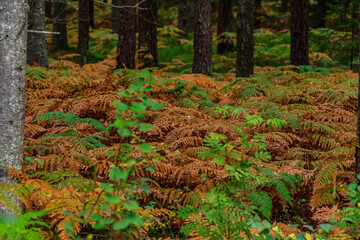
[(71, 119), (282, 189), (316, 127), (263, 201), (186, 102), (23, 227)]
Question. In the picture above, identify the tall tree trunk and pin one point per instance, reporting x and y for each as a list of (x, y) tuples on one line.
[(182, 14), (59, 25), (13, 18), (245, 39), (320, 14), (202, 38), (186, 13), (299, 54), (357, 148), (190, 25), (48, 9), (115, 17), (84, 31), (257, 4), (36, 45), (148, 51), (284, 5), (127, 35), (225, 24), (91, 14)]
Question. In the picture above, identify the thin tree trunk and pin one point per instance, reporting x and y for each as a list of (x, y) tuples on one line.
[(357, 148), (225, 24), (36, 45), (127, 35), (84, 31), (190, 25), (13, 18), (115, 17), (48, 9), (299, 54), (148, 51), (320, 14), (59, 25), (284, 5), (91, 14), (182, 16), (202, 38), (245, 39)]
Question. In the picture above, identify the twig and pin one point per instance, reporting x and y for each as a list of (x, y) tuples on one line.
[(43, 32), (93, 207), (114, 6)]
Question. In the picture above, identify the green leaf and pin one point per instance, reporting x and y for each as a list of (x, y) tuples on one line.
[(137, 107), (146, 189), (327, 227), (107, 187), (120, 106), (145, 127), (124, 132), (95, 217), (135, 87), (131, 206), (219, 160), (121, 225), (156, 106), (145, 147), (117, 174), (112, 199), (125, 94)]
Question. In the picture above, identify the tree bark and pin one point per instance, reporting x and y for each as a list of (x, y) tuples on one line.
[(36, 42), (299, 54), (186, 10), (59, 25), (320, 14), (115, 17), (245, 39), (13, 18), (202, 38), (48, 8), (84, 31), (357, 148), (91, 14), (225, 24), (148, 51), (127, 35)]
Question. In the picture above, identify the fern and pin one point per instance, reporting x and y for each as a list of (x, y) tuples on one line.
[(71, 119), (263, 201), (23, 227)]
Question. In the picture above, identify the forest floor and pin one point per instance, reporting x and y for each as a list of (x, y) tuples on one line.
[(316, 143)]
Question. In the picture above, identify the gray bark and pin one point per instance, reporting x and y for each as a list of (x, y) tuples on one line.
[(13, 19), (37, 52)]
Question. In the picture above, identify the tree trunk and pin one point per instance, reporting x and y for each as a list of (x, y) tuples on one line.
[(36, 45), (357, 148), (127, 35), (225, 24), (245, 39), (84, 31), (299, 54), (91, 14), (257, 4), (59, 25), (148, 51), (284, 6), (186, 10), (13, 18), (190, 25), (48, 8), (115, 17), (202, 38), (182, 7), (320, 14)]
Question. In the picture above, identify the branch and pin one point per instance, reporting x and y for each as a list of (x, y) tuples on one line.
[(114, 6), (43, 32)]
